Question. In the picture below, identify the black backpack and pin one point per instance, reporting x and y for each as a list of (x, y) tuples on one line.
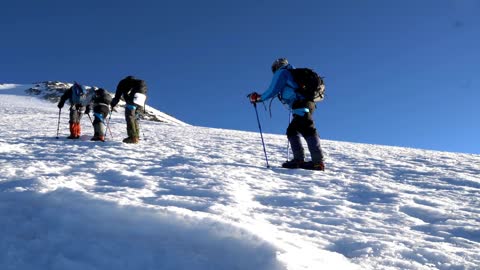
[(137, 86), (310, 85), (137, 91)]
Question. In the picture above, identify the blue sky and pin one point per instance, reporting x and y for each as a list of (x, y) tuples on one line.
[(401, 73)]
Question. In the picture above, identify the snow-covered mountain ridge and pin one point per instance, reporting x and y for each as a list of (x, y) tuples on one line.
[(191, 197), (53, 90)]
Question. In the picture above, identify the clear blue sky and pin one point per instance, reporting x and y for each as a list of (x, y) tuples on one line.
[(402, 73)]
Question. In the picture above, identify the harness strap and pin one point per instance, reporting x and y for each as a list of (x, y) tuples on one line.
[(100, 117), (131, 107), (301, 111)]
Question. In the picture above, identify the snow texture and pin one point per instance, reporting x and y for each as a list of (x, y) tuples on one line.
[(189, 197)]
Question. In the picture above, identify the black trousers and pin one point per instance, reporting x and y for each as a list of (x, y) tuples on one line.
[(302, 124), (305, 126)]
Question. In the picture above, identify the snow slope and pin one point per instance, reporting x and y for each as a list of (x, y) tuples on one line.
[(199, 198)]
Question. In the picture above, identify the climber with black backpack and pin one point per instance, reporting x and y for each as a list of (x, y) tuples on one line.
[(79, 98), (100, 104), (134, 92), (298, 89)]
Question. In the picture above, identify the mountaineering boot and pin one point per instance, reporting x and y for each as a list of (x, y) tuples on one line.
[(315, 166), (98, 138), (293, 164), (131, 140), (72, 131), (95, 135)]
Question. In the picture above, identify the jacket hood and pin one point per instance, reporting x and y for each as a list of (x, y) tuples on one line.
[(288, 66)]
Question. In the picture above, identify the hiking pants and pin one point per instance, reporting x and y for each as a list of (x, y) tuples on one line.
[(76, 113), (99, 127), (133, 130), (304, 125)]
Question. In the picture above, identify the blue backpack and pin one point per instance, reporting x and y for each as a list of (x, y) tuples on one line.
[(80, 95)]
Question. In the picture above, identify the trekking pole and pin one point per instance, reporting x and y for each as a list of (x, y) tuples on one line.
[(58, 125), (288, 142), (90, 118), (261, 134), (108, 124)]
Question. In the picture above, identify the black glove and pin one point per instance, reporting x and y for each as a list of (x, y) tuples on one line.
[(60, 104), (114, 103), (255, 97)]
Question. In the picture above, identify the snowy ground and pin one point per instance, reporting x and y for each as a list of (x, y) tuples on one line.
[(200, 198)]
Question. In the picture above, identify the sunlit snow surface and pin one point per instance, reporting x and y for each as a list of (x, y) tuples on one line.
[(200, 198)]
